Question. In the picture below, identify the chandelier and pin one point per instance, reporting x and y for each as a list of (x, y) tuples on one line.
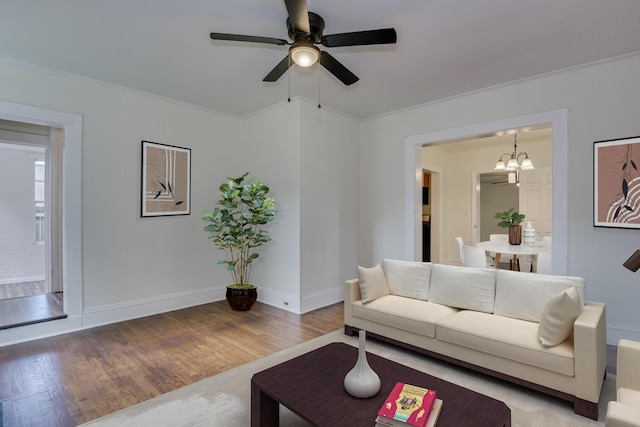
[(514, 164)]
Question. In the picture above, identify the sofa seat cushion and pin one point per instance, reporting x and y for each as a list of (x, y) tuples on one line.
[(506, 337), (404, 313)]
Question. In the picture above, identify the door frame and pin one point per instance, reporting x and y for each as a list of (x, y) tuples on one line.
[(558, 119), (71, 199)]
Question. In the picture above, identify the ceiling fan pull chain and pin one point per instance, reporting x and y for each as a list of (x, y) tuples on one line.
[(289, 80), (319, 77)]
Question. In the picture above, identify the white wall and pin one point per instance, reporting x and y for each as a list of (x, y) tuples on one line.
[(133, 266), (603, 102), (329, 204), (21, 259), (308, 156), (271, 152)]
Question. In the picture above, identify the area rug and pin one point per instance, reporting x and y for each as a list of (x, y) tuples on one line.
[(224, 399)]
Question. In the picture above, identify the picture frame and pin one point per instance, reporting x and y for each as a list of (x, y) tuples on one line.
[(616, 183), (166, 180)]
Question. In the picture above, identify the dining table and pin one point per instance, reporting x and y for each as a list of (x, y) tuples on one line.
[(504, 248)]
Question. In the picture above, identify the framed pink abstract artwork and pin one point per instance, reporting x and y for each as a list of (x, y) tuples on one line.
[(166, 180), (616, 183)]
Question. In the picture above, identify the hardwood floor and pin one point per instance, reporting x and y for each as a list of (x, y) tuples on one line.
[(74, 378), (71, 379), (24, 289)]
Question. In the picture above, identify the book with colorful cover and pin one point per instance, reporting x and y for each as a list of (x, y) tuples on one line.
[(409, 404), (431, 421)]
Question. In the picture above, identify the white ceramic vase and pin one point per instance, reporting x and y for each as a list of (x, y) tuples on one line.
[(362, 381)]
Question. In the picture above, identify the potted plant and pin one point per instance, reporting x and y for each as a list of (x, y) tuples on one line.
[(512, 221), (235, 227)]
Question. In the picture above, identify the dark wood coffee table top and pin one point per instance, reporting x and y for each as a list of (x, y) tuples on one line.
[(311, 385)]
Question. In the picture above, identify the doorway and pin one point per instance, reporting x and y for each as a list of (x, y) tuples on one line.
[(497, 194), (556, 120), (28, 171), (68, 133)]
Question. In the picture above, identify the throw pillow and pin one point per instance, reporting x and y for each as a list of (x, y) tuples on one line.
[(373, 284), (558, 316)]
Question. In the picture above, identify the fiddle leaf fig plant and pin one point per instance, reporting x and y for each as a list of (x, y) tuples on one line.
[(235, 225), (509, 218)]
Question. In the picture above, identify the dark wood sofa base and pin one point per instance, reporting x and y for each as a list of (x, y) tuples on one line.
[(580, 406)]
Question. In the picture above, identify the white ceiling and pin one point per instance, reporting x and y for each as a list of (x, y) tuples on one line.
[(444, 47)]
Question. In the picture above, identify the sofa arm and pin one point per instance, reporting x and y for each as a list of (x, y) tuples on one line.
[(628, 375), (351, 294), (621, 415), (590, 350)]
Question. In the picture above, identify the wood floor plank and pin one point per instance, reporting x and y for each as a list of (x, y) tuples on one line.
[(23, 289), (74, 378)]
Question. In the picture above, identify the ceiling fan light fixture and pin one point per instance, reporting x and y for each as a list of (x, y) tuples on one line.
[(304, 54)]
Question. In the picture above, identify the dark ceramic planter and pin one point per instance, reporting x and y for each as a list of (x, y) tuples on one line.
[(241, 299)]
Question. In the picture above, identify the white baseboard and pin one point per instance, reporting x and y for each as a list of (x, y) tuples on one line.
[(21, 280), (97, 316), (292, 303), (616, 331), (113, 313), (279, 299), (323, 299), (104, 315)]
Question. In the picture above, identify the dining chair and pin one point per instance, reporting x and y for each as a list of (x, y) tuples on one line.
[(544, 263), (503, 238), (460, 245), (474, 256)]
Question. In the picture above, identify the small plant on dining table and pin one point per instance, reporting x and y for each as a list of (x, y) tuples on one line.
[(509, 218)]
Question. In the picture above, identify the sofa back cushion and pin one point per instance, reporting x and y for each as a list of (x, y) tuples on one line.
[(407, 278), (463, 287), (523, 295)]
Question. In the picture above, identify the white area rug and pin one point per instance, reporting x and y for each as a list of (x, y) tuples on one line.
[(225, 399)]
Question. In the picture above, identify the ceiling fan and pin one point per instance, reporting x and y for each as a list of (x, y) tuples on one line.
[(305, 29)]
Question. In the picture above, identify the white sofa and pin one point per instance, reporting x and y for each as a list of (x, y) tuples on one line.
[(493, 321)]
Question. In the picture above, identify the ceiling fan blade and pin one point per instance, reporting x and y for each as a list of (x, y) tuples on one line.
[(298, 15), (278, 70), (337, 69), (242, 38), (358, 38)]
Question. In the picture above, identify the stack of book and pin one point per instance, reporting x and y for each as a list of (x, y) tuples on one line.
[(409, 405)]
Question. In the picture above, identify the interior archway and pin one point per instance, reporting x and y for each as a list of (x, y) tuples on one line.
[(558, 121)]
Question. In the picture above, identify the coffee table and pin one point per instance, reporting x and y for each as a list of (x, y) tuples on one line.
[(311, 386)]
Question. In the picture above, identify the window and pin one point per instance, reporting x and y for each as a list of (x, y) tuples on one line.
[(39, 199)]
